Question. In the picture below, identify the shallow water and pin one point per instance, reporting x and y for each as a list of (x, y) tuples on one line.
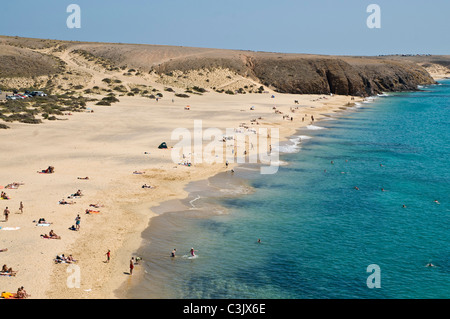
[(318, 233)]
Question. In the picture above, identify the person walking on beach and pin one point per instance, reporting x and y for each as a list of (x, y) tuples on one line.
[(131, 265), (6, 213), (108, 255), (21, 208), (77, 222)]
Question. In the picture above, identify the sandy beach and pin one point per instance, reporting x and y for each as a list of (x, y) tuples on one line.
[(107, 146)]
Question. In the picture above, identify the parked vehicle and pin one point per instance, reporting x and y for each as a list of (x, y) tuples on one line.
[(38, 93)]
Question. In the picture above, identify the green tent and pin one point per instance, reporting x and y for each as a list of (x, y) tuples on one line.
[(162, 145)]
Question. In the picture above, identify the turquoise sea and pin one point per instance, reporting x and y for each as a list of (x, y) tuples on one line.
[(318, 233)]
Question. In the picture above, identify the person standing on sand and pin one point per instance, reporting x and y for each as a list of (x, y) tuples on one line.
[(6, 213), (77, 222), (108, 255), (21, 208), (131, 265)]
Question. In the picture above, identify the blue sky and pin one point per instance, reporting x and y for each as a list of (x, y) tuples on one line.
[(294, 26)]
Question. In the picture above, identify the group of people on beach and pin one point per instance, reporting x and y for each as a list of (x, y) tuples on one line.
[(59, 259)]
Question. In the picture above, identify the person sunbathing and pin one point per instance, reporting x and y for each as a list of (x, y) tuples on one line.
[(60, 258), (43, 221), (147, 186), (51, 235), (21, 293), (76, 194), (49, 170), (64, 259), (8, 271), (88, 211), (83, 177), (13, 186), (3, 195), (64, 202)]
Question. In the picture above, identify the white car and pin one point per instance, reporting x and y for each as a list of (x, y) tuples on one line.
[(38, 93)]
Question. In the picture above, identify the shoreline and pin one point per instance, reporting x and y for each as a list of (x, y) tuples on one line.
[(107, 156), (181, 205)]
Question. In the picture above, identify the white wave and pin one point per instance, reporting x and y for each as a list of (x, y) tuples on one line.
[(314, 127), (296, 140), (240, 190), (304, 137), (278, 163), (289, 148)]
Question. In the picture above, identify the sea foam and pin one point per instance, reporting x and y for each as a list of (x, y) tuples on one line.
[(314, 127)]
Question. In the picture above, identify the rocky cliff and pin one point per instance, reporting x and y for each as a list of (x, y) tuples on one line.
[(286, 73), (316, 75)]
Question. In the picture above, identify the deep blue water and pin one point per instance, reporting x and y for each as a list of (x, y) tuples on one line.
[(318, 233)]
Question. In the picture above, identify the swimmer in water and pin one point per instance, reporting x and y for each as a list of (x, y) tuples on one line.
[(192, 251), (404, 206), (436, 201), (356, 187), (429, 265), (173, 252)]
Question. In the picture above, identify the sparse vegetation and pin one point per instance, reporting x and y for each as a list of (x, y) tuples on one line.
[(108, 100), (26, 110), (199, 89)]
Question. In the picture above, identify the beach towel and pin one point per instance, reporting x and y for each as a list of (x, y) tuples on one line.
[(47, 237), (9, 228), (44, 224), (7, 274), (7, 295)]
